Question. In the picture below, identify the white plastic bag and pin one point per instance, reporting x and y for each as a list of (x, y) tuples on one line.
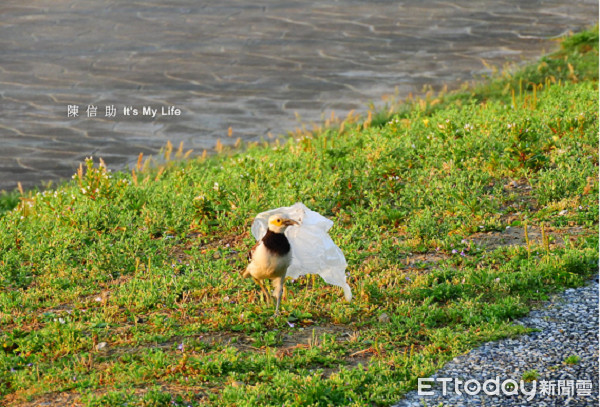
[(313, 251)]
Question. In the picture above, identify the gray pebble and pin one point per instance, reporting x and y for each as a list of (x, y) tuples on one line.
[(568, 326)]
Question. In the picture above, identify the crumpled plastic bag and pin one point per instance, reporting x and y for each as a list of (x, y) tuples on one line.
[(313, 251)]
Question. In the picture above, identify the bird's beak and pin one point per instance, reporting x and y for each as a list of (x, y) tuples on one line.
[(290, 222)]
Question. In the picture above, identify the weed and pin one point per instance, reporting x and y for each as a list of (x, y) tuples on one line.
[(572, 360), (530, 375)]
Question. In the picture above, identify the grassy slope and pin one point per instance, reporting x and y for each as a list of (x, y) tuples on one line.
[(122, 288)]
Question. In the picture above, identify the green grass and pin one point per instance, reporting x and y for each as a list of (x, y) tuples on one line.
[(8, 200), (124, 288), (530, 375), (572, 360)]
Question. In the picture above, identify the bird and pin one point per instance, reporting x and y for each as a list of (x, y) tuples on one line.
[(271, 257)]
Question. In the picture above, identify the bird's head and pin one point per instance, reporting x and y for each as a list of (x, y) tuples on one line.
[(279, 223)]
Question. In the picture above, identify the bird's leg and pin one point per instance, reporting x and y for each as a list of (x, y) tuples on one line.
[(277, 292), (267, 294), (263, 289)]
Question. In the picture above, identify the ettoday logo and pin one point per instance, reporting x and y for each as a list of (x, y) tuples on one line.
[(491, 387), (509, 387)]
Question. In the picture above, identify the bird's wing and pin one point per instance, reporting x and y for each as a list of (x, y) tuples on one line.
[(251, 253)]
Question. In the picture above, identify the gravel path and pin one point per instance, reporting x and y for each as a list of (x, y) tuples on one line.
[(568, 325)]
